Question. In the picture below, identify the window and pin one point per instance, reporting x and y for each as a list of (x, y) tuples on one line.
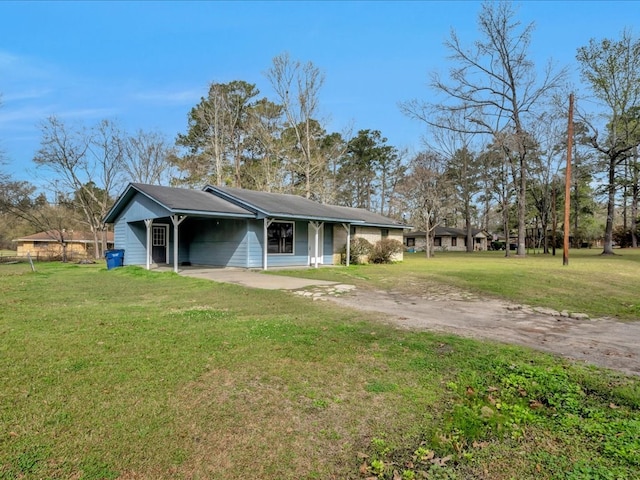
[(384, 232), (411, 242), (454, 241), (437, 242), (280, 237)]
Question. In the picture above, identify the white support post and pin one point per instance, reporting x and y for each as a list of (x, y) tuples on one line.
[(347, 227), (316, 227), (176, 220), (148, 223), (265, 240)]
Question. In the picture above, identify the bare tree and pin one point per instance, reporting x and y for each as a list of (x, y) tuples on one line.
[(456, 145), (494, 85), (297, 86), (612, 70), (425, 190), (86, 164), (19, 199), (147, 158)]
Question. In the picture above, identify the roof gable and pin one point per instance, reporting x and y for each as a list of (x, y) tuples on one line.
[(178, 201)]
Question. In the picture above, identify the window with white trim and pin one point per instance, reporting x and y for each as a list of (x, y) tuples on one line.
[(280, 237)]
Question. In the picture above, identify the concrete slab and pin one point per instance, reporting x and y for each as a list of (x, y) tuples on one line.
[(251, 278)]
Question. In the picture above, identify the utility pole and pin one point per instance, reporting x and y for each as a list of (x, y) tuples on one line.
[(567, 189)]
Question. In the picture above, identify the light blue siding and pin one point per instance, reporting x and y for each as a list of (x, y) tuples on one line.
[(210, 241), (218, 242), (255, 237)]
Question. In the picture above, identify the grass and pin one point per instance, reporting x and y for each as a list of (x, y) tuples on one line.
[(132, 374), (591, 283)]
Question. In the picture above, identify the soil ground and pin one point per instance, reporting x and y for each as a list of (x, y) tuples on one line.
[(603, 342)]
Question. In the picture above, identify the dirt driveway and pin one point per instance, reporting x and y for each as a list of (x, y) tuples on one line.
[(603, 342)]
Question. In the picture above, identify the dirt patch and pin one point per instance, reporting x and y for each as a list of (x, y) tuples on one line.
[(602, 341)]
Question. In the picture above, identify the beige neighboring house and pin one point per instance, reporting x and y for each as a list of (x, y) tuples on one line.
[(46, 245), (447, 239)]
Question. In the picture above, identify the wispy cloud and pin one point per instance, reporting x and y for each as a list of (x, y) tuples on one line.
[(169, 97)]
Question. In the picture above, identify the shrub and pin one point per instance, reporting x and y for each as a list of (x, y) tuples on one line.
[(384, 250), (359, 250)]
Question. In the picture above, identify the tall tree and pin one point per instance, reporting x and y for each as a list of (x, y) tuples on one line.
[(611, 68), (297, 86), (147, 158), (494, 85), (216, 135)]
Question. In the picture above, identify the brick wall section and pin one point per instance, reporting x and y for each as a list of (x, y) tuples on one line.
[(371, 234)]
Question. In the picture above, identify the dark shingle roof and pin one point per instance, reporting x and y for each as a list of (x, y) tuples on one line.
[(247, 203), (183, 200), (294, 206), (178, 200)]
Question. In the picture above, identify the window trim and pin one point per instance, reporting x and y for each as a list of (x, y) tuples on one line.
[(293, 238)]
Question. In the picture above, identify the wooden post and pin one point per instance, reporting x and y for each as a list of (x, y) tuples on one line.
[(567, 189)]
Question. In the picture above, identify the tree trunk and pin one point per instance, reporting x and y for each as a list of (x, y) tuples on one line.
[(467, 221), (522, 207), (611, 205)]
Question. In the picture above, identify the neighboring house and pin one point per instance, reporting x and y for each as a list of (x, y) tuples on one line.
[(47, 244), (232, 227), (445, 238)]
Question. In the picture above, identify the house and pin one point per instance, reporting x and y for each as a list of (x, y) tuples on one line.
[(447, 239), (232, 227), (46, 245)]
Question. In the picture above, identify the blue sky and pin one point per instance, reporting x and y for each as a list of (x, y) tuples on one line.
[(145, 64)]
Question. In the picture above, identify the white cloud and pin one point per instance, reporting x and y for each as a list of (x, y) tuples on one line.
[(169, 97)]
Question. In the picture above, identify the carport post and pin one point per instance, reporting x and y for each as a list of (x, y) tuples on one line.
[(347, 227), (148, 222), (176, 220), (265, 240), (316, 227)]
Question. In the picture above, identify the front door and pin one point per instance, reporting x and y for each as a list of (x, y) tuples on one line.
[(312, 244), (159, 244)]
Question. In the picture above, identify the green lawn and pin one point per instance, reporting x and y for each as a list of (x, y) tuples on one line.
[(141, 375)]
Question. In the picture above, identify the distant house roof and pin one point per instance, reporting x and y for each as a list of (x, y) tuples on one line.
[(446, 232), (237, 202), (71, 236)]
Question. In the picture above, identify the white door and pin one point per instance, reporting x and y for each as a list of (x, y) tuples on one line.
[(312, 244)]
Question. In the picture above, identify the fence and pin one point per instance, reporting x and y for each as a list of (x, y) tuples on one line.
[(72, 257)]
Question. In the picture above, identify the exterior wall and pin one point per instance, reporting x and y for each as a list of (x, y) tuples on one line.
[(339, 242), (301, 248), (215, 242), (53, 249), (396, 234), (373, 235)]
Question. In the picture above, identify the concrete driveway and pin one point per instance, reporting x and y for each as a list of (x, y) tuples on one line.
[(251, 278)]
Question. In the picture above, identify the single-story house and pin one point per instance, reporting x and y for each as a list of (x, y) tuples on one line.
[(446, 238), (47, 244), (233, 227)]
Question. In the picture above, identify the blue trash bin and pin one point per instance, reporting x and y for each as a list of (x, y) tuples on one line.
[(115, 258)]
